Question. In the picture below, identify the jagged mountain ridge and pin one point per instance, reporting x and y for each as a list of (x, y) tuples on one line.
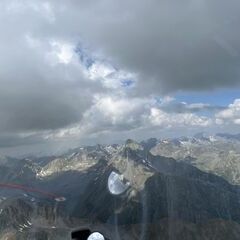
[(218, 154), (162, 192)]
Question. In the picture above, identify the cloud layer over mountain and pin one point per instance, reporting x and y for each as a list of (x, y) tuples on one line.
[(83, 68)]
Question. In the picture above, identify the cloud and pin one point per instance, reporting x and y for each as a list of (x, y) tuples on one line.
[(174, 106), (162, 119), (109, 114), (39, 89), (105, 73), (117, 114), (231, 115), (86, 67), (43, 86), (15, 140), (170, 46)]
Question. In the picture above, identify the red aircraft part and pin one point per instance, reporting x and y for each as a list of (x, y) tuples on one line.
[(29, 189)]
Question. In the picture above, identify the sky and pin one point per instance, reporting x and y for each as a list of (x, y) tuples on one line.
[(85, 72)]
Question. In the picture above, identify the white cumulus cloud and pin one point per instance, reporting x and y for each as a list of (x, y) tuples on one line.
[(230, 115)]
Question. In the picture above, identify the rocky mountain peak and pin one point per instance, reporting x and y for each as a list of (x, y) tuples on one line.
[(131, 144)]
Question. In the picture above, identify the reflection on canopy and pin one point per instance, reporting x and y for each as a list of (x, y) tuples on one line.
[(96, 236), (116, 184), (34, 190)]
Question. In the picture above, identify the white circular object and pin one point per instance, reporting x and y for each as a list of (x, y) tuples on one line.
[(116, 184), (96, 236), (60, 199)]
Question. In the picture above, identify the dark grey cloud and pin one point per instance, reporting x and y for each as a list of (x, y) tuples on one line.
[(39, 103), (37, 91), (13, 140), (172, 45)]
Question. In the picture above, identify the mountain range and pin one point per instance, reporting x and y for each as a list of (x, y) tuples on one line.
[(182, 188)]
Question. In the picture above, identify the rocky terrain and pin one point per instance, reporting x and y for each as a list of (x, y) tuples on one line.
[(176, 189), (218, 154)]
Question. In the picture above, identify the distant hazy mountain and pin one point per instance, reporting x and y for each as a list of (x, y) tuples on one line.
[(229, 136), (166, 199), (219, 154)]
